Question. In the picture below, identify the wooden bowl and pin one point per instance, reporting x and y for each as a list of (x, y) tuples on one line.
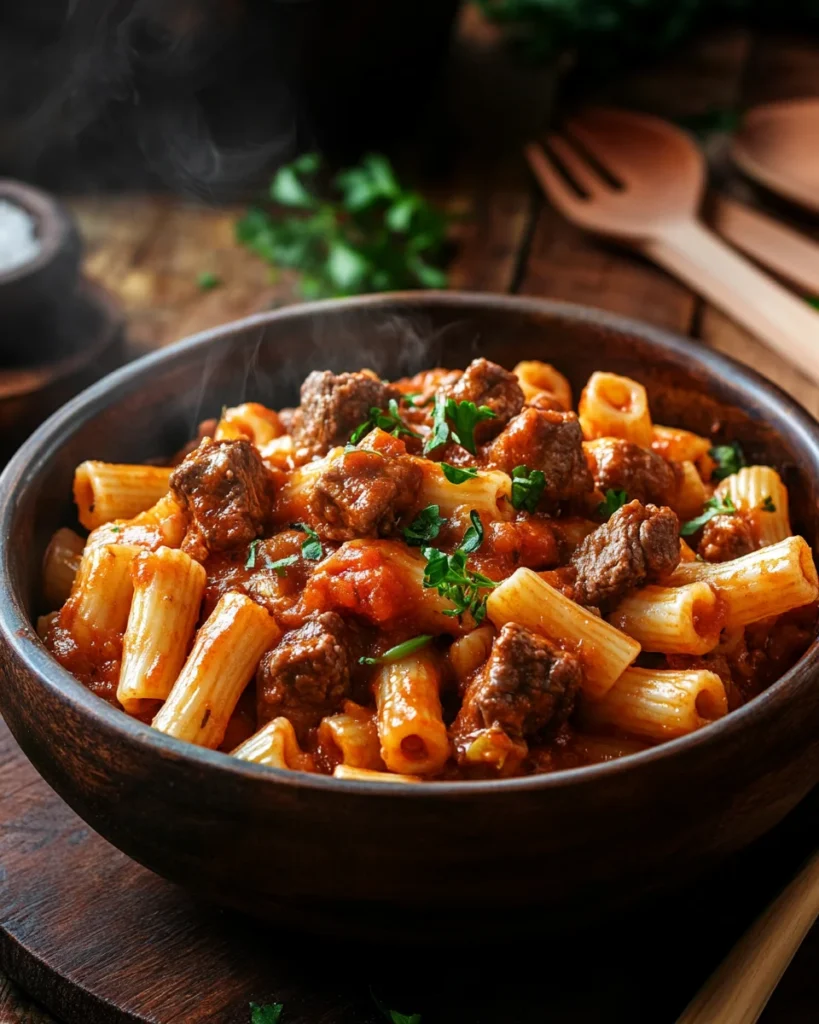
[(400, 862)]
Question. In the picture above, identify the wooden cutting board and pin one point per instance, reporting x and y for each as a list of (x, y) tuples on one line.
[(97, 939)]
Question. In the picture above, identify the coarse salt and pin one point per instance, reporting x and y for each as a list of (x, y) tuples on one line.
[(18, 242)]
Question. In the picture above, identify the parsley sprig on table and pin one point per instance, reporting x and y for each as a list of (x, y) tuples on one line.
[(464, 416), (389, 421), (371, 235), (449, 575), (715, 506), (729, 459), (527, 487)]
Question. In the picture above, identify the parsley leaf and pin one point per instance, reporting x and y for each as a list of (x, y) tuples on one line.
[(280, 565), (251, 555), (311, 548), (393, 1016), (614, 501), (399, 651), (363, 233), (713, 507), (768, 504), (729, 459), (457, 474), (207, 281), (389, 421), (440, 427), (465, 417), (449, 575), (527, 487), (270, 1013), (425, 526)]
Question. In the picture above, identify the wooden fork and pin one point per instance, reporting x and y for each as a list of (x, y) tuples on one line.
[(640, 180)]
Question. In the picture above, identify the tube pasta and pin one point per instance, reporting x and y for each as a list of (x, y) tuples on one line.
[(659, 705), (345, 771), (750, 489), (162, 525), (101, 597), (276, 746), (596, 749), (225, 654), (612, 406), (536, 377), (168, 589), (527, 599), (678, 445), (354, 734), (106, 490), (488, 493), (672, 620), (60, 565), (411, 728), (251, 420), (471, 651), (759, 585), (691, 495)]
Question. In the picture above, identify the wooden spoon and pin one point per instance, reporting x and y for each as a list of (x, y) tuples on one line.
[(736, 993), (778, 146), (640, 180)]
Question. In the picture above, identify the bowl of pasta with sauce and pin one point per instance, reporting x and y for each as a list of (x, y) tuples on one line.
[(362, 614)]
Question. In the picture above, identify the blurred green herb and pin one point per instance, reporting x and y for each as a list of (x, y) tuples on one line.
[(813, 300), (270, 1013), (614, 500), (729, 459), (371, 235), (207, 281), (393, 1016)]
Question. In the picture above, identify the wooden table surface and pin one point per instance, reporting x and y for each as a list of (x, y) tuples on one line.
[(148, 250)]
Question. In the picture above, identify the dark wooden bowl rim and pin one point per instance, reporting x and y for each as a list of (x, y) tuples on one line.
[(23, 640)]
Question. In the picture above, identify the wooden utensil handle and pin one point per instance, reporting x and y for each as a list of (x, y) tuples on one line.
[(769, 242), (736, 993), (784, 322)]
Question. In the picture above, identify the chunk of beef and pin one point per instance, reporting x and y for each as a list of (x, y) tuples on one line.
[(226, 492), (550, 441), (307, 674), (526, 685), (726, 537), (363, 494), (622, 466), (333, 405), (486, 383), (638, 544)]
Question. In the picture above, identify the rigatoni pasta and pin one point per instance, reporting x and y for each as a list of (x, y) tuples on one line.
[(446, 577)]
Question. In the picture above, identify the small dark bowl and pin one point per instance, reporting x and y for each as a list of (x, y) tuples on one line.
[(344, 857)]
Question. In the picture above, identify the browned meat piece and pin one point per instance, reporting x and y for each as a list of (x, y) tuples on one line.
[(546, 400), (550, 441), (486, 383), (226, 493), (333, 405), (637, 545), (526, 684), (726, 537), (363, 494), (306, 675), (622, 466)]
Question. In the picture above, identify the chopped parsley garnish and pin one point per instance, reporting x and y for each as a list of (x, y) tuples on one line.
[(729, 459), (281, 564), (389, 421), (310, 548), (116, 529), (457, 474), (768, 504), (614, 500), (465, 416), (713, 507), (440, 427), (449, 575), (393, 1016), (425, 526), (270, 1013), (527, 487), (251, 555), (207, 281), (398, 652)]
